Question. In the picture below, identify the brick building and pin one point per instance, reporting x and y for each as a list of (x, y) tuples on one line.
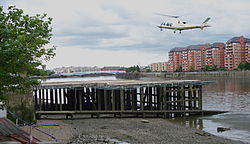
[(214, 55), (196, 57), (236, 51), (175, 59)]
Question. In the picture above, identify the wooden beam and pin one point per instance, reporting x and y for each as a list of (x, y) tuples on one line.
[(122, 99), (60, 99), (56, 99), (134, 99), (105, 100), (113, 99), (142, 98), (52, 99)]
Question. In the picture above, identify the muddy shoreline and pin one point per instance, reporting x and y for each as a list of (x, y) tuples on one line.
[(124, 130)]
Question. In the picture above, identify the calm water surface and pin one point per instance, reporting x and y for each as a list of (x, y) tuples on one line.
[(229, 94)]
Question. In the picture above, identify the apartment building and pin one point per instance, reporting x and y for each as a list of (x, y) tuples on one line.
[(191, 58), (248, 51), (214, 54), (175, 59), (159, 67), (196, 57), (236, 51), (185, 58)]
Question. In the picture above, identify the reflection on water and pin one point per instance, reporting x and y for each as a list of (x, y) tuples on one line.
[(229, 94)]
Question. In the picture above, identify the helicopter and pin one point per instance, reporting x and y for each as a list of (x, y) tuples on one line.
[(181, 25)]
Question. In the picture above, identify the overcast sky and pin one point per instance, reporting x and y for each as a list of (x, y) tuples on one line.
[(124, 32)]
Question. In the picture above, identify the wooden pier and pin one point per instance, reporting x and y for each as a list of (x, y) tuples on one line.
[(139, 98)]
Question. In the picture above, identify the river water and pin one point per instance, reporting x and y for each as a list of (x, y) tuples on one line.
[(229, 94)]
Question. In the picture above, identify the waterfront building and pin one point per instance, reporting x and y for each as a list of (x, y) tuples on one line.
[(218, 54), (186, 58), (236, 51), (248, 51), (159, 67), (191, 60), (175, 59), (214, 55)]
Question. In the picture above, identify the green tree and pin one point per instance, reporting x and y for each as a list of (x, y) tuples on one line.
[(207, 68), (247, 66), (22, 49), (214, 68), (244, 66), (178, 69), (241, 66), (133, 69)]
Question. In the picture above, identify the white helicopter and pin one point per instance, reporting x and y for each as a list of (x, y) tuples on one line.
[(181, 25)]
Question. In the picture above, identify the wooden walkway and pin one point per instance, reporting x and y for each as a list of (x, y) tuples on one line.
[(120, 97)]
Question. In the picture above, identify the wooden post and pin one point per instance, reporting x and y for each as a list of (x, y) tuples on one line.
[(165, 101), (105, 100), (182, 98), (65, 101), (56, 99), (141, 98), (134, 99), (200, 97), (43, 99), (93, 97), (160, 95), (47, 98), (88, 97), (150, 98), (75, 99), (51, 99), (60, 99), (128, 100), (81, 98), (99, 102), (122, 99), (155, 98), (35, 99), (113, 99), (40, 99), (195, 98), (190, 97)]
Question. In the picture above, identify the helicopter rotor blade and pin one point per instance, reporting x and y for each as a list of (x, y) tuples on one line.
[(171, 16)]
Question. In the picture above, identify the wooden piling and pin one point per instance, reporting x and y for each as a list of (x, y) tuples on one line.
[(166, 100)]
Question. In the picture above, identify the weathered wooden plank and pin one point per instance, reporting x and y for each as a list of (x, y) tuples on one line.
[(60, 99), (150, 98), (122, 99), (142, 96), (51, 99), (200, 97), (105, 100), (134, 99), (113, 99), (40, 99), (56, 99)]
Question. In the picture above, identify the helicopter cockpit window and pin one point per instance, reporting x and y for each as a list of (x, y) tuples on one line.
[(169, 24), (184, 22)]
